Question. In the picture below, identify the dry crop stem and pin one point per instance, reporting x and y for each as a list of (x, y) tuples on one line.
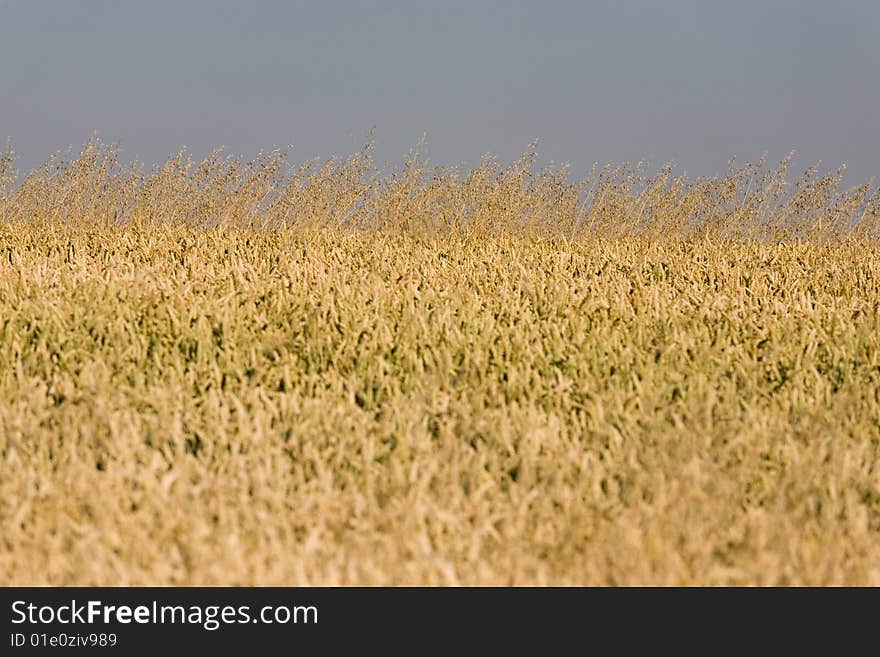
[(230, 373)]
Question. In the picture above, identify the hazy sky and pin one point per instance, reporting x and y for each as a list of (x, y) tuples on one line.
[(695, 81)]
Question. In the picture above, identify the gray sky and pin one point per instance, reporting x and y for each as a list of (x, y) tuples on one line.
[(695, 81)]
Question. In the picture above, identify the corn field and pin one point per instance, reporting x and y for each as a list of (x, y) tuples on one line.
[(232, 372)]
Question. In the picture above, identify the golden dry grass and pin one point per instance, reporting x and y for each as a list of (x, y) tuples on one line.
[(235, 374)]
